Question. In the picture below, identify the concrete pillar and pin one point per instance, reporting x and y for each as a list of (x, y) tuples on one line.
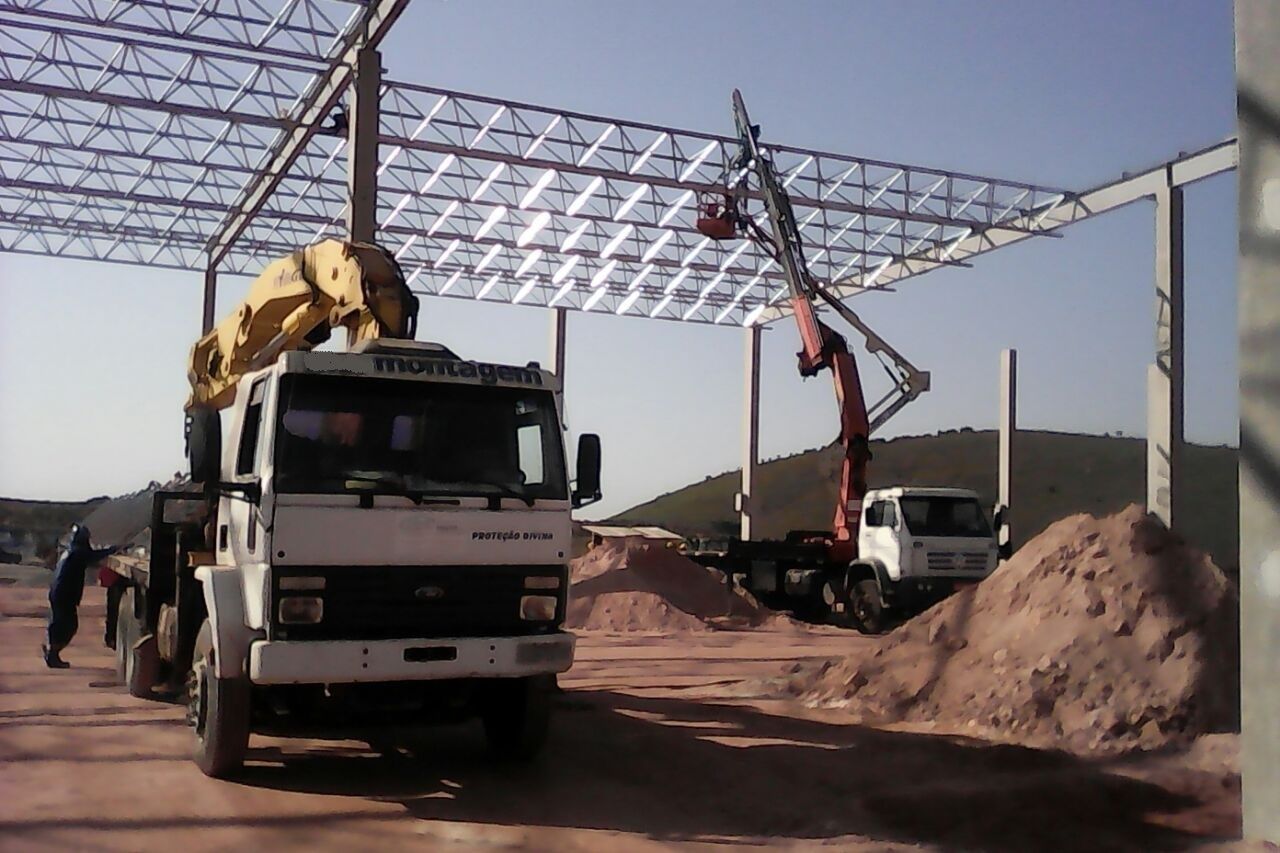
[(1165, 377), (362, 148), (559, 319), (751, 431), (1258, 105), (210, 298), (1008, 421)]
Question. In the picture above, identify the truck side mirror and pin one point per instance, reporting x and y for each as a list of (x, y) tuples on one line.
[(204, 444), (587, 489)]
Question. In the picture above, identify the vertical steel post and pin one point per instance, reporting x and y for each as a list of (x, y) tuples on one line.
[(362, 147), (751, 431), (559, 319), (1008, 427), (1165, 376), (1258, 116), (210, 298)]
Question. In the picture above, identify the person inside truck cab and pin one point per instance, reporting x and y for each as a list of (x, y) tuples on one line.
[(65, 592)]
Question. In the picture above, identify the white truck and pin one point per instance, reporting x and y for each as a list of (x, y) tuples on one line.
[(382, 536), (915, 546)]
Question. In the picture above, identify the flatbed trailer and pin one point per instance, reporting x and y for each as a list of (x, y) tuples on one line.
[(156, 607)]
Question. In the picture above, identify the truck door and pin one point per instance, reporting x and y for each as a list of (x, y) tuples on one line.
[(880, 536), (240, 518)]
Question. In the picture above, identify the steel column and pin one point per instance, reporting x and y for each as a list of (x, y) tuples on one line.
[(751, 431), (210, 299), (1008, 428), (1258, 105), (559, 320), (362, 147), (1165, 377)]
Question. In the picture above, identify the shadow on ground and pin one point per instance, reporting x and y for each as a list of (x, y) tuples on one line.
[(677, 770)]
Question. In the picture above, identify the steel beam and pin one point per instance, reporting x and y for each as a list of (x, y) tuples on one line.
[(313, 106), (1008, 420), (362, 147), (210, 299), (1258, 115), (1179, 172), (1165, 384), (746, 498)]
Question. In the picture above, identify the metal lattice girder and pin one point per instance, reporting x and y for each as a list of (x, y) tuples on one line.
[(490, 199), (134, 115), (128, 130)]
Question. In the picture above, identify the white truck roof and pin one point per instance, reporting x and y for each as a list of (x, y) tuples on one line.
[(920, 491)]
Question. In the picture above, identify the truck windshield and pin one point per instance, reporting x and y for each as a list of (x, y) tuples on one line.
[(940, 516), (339, 434)]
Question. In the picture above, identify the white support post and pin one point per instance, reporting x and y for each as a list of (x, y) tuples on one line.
[(1258, 218), (751, 431), (210, 299), (1165, 376), (362, 147), (1008, 429)]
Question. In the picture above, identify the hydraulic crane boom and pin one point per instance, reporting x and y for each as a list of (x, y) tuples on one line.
[(823, 347), (293, 305)]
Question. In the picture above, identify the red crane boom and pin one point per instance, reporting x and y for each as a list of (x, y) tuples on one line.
[(823, 347)]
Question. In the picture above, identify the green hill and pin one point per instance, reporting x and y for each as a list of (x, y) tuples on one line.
[(1056, 474)]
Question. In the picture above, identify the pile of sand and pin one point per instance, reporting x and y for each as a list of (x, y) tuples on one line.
[(1100, 635), (633, 585)]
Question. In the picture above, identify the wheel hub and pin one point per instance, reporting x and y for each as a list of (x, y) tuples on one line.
[(197, 706)]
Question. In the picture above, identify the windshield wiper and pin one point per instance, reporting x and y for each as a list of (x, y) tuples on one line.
[(389, 483), (508, 491)]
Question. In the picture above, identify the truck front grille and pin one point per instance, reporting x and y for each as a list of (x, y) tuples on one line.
[(410, 602), (957, 561)]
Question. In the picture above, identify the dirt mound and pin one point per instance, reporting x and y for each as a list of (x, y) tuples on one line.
[(642, 586), (1098, 636)]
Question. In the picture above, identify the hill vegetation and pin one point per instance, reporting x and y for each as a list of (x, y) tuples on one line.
[(1056, 474)]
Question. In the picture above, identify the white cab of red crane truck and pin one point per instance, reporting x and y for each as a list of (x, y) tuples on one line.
[(916, 545), (391, 543)]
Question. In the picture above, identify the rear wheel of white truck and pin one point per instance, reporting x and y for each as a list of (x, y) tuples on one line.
[(517, 716), (217, 711), (124, 635), (137, 660)]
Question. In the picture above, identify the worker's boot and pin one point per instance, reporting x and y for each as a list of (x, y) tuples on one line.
[(52, 660)]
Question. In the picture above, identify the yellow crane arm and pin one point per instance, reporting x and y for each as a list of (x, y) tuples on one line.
[(293, 305)]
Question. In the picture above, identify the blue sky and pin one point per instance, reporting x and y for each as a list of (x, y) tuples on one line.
[(92, 356)]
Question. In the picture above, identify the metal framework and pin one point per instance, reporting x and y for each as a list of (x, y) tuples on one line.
[(172, 135)]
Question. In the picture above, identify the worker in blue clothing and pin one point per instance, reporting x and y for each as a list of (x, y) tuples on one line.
[(65, 593)]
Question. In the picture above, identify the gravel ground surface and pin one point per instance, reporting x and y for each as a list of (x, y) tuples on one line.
[(662, 741)]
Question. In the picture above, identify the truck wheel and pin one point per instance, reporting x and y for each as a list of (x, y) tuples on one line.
[(517, 716), (836, 603), (140, 668), (218, 712), (868, 609), (124, 637)]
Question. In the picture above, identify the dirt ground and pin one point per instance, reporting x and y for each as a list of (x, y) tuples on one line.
[(660, 742)]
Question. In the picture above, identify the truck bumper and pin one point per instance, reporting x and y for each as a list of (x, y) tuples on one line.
[(917, 593), (352, 661)]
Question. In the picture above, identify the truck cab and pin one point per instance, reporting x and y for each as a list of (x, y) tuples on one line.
[(388, 531), (916, 545)]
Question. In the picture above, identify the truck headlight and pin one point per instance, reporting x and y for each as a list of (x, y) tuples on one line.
[(538, 608), (301, 609)]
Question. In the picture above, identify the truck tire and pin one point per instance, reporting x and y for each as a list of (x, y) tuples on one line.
[(867, 606), (217, 711), (517, 717), (124, 639), (139, 667)]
